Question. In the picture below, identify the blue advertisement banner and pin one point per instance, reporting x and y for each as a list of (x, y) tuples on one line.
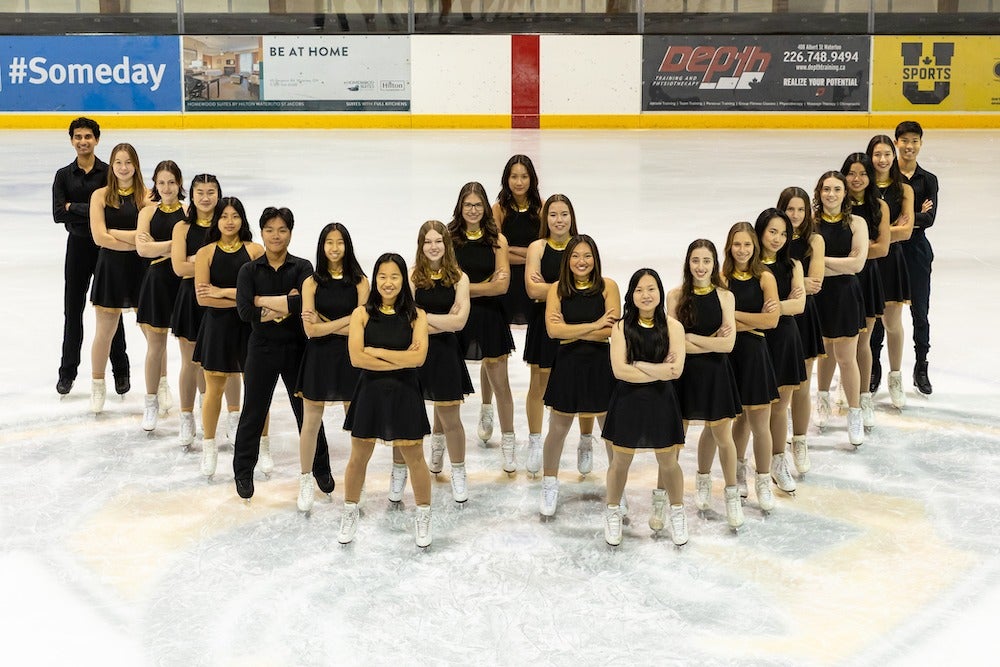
[(90, 73)]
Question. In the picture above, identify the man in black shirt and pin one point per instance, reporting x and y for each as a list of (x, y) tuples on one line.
[(917, 250), (71, 191), (268, 295)]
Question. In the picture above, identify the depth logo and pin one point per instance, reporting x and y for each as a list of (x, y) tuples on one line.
[(922, 69), (723, 68)]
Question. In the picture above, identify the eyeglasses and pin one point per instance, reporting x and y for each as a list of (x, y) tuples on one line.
[(469, 206)]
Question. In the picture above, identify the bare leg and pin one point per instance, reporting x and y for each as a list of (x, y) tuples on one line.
[(617, 476), (741, 434), (357, 468), (106, 325), (215, 386), (845, 350), (312, 419), (156, 355), (496, 372), (802, 403), (865, 353), (191, 377), (420, 476), (779, 420), (450, 417), (706, 449), (670, 471), (722, 436), (554, 440), (826, 366), (533, 404), (485, 390), (760, 425), (233, 387), (893, 323), (586, 425)]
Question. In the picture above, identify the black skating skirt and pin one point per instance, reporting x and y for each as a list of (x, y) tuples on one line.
[(581, 380), (707, 388), (326, 373), (870, 279), (841, 307), (644, 416), (117, 279), (157, 295), (486, 334), (753, 369), (539, 349), (809, 329), (444, 376), (185, 321), (787, 354), (388, 406), (222, 341), (895, 276)]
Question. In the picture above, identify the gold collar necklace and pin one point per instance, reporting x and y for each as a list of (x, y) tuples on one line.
[(832, 218), (702, 291), (436, 275), (742, 275), (387, 310), (583, 284), (125, 192), (646, 324), (557, 246), (170, 208), (203, 223), (472, 236), (230, 247)]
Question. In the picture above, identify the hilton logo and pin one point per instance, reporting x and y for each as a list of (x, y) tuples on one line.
[(919, 68)]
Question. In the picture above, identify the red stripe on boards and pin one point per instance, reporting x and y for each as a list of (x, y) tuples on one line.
[(524, 94)]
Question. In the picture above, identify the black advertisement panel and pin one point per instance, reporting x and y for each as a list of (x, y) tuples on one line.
[(747, 73)]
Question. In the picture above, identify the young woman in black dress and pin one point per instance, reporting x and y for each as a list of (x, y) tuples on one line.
[(329, 297), (707, 388), (114, 213), (158, 293), (647, 352), (841, 304), (808, 248), (866, 203), (898, 195), (387, 340), (580, 310), (517, 214), (542, 271), (221, 348), (757, 310), (481, 251), (784, 342)]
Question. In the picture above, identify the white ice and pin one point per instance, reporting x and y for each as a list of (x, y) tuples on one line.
[(115, 551)]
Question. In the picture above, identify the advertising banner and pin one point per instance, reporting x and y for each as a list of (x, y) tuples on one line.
[(297, 73), (90, 73), (747, 73), (936, 74)]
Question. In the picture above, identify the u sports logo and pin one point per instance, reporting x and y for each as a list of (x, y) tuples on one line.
[(920, 69)]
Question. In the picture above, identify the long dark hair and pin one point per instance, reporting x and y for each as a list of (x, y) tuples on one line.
[(489, 226), (566, 285), (808, 226), (214, 233), (192, 216), (350, 265), (506, 196), (686, 313), (171, 167), (543, 228), (630, 321), (896, 187), (405, 305), (783, 256), (869, 209)]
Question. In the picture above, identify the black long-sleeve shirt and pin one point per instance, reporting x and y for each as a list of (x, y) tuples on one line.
[(925, 186), (257, 278), (75, 186)]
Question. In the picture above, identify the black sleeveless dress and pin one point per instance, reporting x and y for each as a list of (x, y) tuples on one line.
[(538, 347), (487, 333), (895, 276), (647, 415), (808, 320), (221, 345), (707, 388), (388, 405), (118, 274), (326, 373), (581, 381), (520, 228), (185, 321), (870, 277), (840, 302), (750, 357), (158, 293), (444, 376), (784, 342)]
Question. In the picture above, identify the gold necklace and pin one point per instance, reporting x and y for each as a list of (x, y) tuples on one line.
[(436, 275), (230, 247), (832, 218), (583, 284), (858, 202), (170, 208), (387, 309), (125, 192), (883, 184), (517, 207), (472, 236), (702, 291), (336, 275), (557, 246), (769, 260), (646, 324), (796, 235), (742, 275), (203, 223)]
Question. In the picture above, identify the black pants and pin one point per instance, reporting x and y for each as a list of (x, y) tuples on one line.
[(919, 256), (265, 362), (81, 260)]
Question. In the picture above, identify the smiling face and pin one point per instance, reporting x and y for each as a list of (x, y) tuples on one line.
[(581, 262), (646, 295), (832, 194), (908, 144), (796, 211), (559, 219), (84, 142), (124, 168), (701, 265), (230, 222), (857, 180), (882, 157), (472, 209), (775, 236), (388, 282), (333, 248), (433, 247), (519, 181), (276, 235), (741, 249), (205, 197), (167, 185)]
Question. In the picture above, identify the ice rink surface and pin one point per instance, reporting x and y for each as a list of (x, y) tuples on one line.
[(115, 551)]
